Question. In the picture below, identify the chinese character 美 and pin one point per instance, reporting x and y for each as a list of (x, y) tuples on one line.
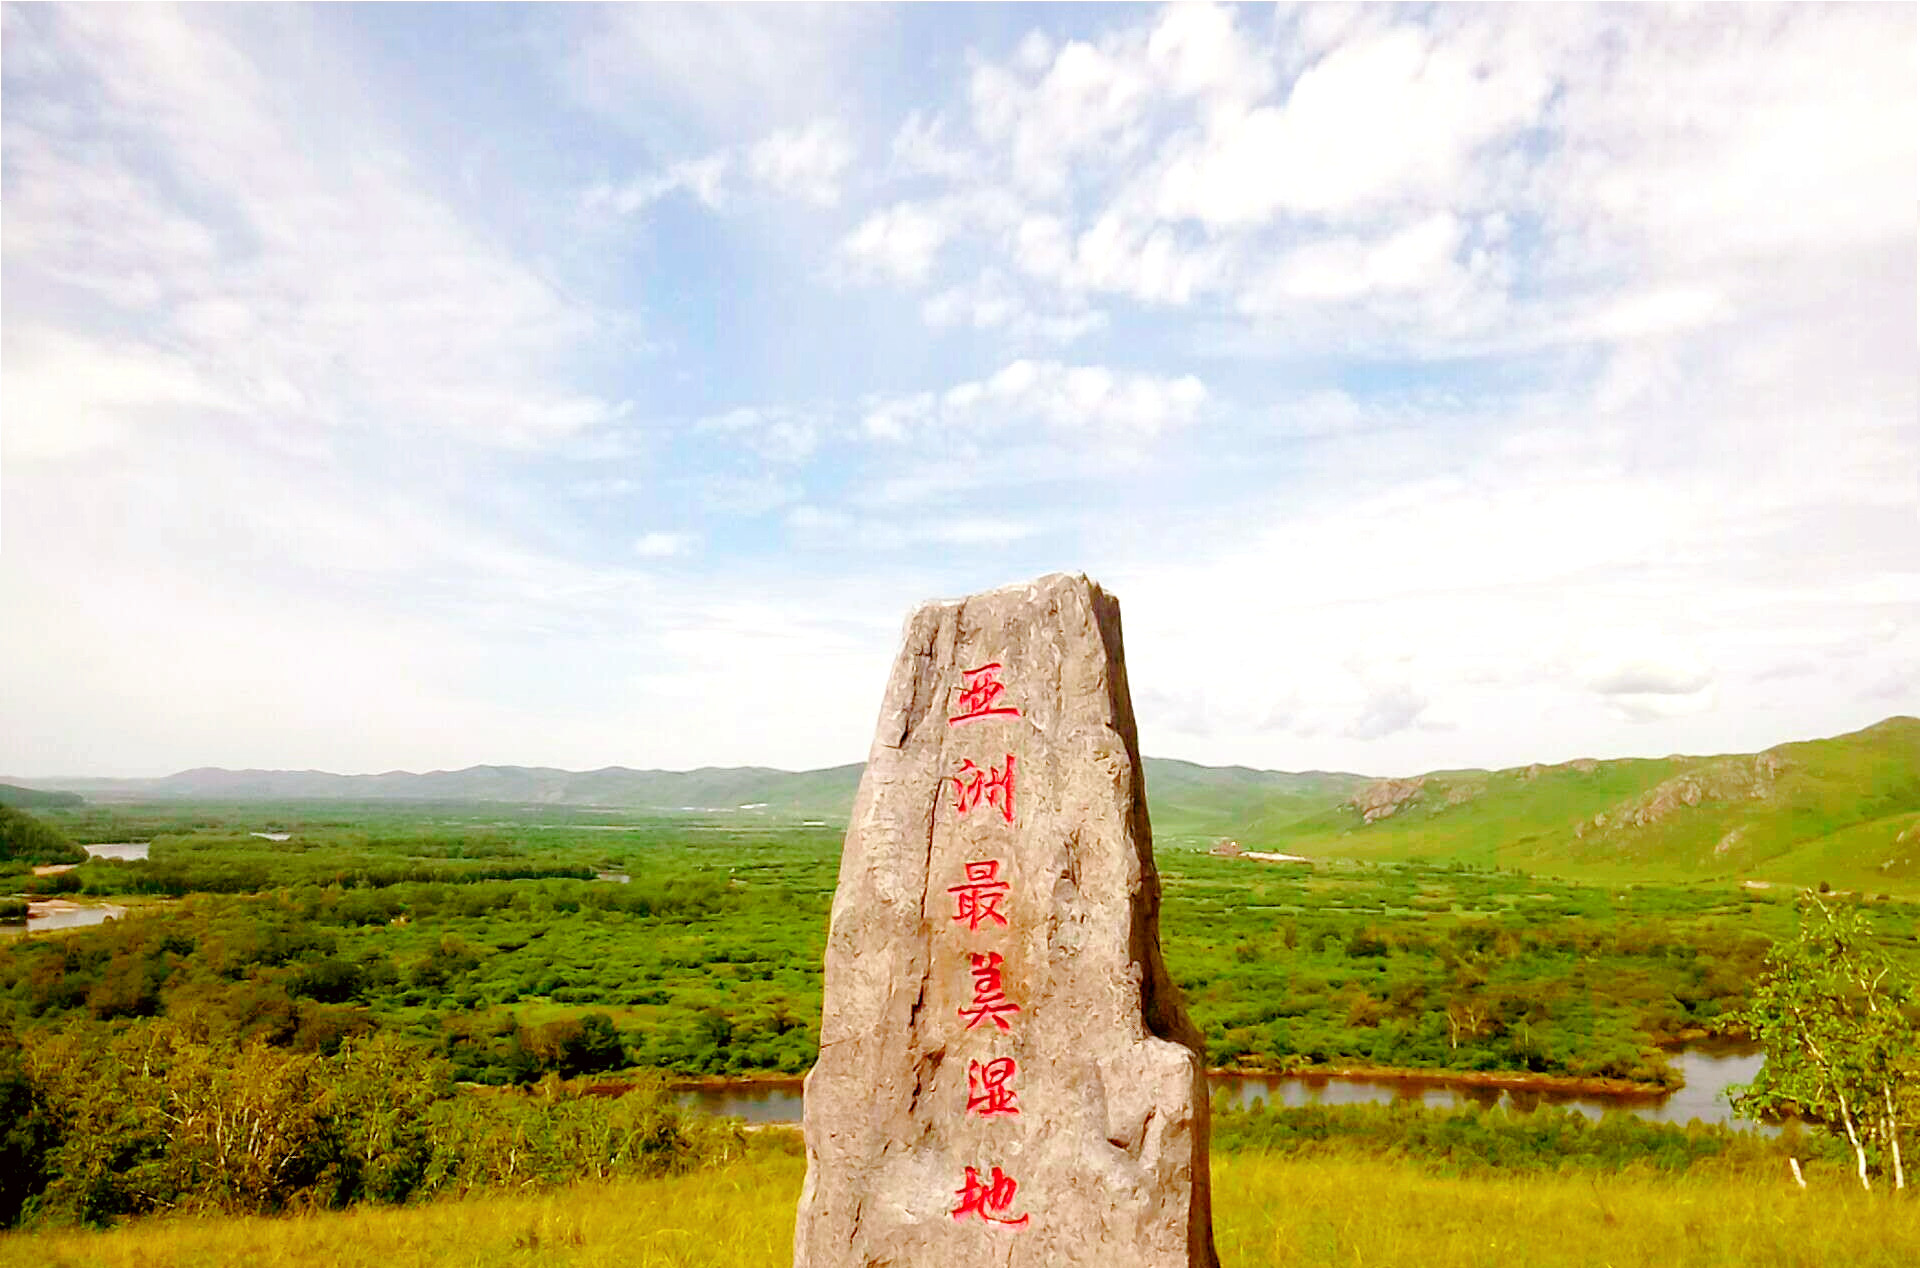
[(989, 992), (981, 688), (979, 899), (988, 1199), (994, 1096), (995, 784)]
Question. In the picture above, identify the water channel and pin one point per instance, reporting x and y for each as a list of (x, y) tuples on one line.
[(60, 913), (1708, 1072), (129, 850)]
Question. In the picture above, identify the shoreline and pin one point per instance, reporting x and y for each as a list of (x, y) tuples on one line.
[(1510, 1080)]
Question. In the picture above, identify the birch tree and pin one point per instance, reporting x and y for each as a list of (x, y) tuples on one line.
[(1838, 1022)]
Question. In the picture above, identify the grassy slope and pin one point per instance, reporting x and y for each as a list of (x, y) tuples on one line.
[(36, 798), (1831, 810), (1268, 1211)]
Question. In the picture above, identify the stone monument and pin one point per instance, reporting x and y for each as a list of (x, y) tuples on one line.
[(1006, 1076)]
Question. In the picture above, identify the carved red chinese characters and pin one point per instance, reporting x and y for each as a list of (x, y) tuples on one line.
[(989, 1198), (988, 1090), (979, 898), (981, 687), (995, 783), (989, 993)]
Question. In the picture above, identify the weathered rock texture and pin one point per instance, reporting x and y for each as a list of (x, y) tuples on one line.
[(1103, 1159)]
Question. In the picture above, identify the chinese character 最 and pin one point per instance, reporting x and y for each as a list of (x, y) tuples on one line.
[(979, 899)]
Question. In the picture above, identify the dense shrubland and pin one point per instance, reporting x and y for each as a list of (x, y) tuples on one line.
[(172, 1116), (707, 961), (27, 840)]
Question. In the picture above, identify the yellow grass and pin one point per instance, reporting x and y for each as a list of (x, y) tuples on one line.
[(1302, 1214)]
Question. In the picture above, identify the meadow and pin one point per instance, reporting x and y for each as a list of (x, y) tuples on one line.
[(1317, 1212)]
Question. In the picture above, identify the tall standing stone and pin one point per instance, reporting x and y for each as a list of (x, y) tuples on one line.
[(1006, 1074)]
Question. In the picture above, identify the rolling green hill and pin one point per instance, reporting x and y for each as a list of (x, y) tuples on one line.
[(25, 839), (37, 798), (1845, 811)]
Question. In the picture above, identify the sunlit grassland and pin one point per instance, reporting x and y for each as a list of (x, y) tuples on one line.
[(1268, 1211)]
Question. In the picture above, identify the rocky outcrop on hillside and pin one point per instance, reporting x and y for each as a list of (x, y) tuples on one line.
[(1384, 798), (1729, 779)]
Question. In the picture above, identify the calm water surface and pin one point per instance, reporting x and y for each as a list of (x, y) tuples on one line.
[(119, 850), (39, 918), (1708, 1072)]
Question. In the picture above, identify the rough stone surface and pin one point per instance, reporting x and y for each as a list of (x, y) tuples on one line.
[(1384, 798), (1105, 1161)]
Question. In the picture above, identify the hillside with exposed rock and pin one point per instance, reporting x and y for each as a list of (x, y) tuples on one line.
[(1845, 811)]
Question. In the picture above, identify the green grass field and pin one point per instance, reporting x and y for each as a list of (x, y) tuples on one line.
[(1268, 1211)]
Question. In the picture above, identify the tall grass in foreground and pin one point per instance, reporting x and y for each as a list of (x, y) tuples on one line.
[(1268, 1211)]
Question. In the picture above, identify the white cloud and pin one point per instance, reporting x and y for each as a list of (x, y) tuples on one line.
[(1384, 119), (899, 242), (1119, 255), (1696, 138), (784, 434), (1658, 314), (991, 301), (1650, 678), (659, 544), (67, 396), (1388, 711), (1086, 105), (1412, 260), (723, 71), (319, 287), (703, 178), (921, 148), (1114, 404), (804, 163)]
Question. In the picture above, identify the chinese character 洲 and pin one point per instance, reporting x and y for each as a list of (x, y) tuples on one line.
[(981, 688), (989, 992), (995, 784), (994, 1096), (979, 899), (989, 1199)]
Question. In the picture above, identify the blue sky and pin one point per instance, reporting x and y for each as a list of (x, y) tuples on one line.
[(417, 386)]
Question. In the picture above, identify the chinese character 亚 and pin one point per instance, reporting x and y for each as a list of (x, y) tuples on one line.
[(994, 1096), (989, 992), (980, 688), (993, 783), (988, 1199), (979, 899)]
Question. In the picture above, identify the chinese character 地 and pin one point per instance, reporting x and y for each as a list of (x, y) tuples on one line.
[(988, 1199), (973, 783), (994, 1095), (979, 899), (989, 992), (981, 687)]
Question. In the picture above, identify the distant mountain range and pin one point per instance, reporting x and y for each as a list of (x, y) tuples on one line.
[(1845, 810), (1226, 794)]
